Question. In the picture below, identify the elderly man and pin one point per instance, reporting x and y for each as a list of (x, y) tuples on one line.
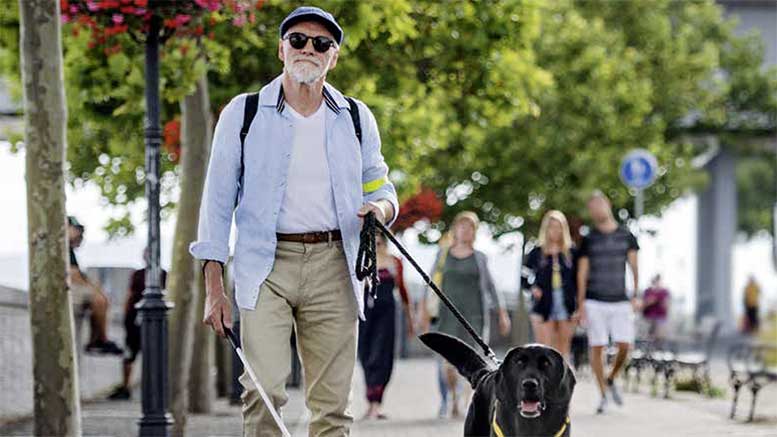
[(306, 171)]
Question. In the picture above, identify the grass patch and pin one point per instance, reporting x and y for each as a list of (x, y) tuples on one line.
[(697, 386)]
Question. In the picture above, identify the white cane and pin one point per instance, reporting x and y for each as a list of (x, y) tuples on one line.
[(236, 344)]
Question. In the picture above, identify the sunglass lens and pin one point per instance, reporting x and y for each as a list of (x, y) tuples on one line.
[(298, 40), (322, 44)]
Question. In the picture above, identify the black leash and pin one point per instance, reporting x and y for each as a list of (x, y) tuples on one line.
[(367, 257), (366, 267)]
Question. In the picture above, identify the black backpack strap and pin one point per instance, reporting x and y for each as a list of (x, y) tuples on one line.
[(249, 112), (357, 125)]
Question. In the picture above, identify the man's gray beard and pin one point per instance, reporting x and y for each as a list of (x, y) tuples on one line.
[(305, 74)]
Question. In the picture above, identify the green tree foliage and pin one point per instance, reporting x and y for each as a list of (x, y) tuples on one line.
[(757, 190), (506, 107)]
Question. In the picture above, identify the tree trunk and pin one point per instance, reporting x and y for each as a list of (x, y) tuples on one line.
[(195, 143), (56, 399), (201, 384)]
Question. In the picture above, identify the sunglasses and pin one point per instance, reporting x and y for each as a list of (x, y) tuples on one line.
[(299, 40)]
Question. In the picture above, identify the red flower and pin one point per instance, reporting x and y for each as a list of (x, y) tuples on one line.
[(182, 19), (112, 50), (141, 3), (423, 205), (172, 138), (239, 21)]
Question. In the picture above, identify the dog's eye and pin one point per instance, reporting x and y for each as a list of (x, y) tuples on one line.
[(521, 360), (544, 363)]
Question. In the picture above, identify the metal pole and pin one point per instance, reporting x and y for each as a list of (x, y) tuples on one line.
[(639, 204), (153, 308)]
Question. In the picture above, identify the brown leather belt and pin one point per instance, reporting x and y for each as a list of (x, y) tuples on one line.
[(312, 237)]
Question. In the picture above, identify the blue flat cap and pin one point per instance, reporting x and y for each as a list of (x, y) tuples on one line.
[(312, 13)]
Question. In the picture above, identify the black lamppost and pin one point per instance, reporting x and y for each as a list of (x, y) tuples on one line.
[(153, 308)]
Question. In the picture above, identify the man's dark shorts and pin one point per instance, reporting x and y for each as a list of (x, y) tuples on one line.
[(132, 340)]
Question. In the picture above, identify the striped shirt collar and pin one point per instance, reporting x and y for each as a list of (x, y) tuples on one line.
[(272, 95)]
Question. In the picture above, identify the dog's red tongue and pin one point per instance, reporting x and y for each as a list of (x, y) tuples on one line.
[(530, 407)]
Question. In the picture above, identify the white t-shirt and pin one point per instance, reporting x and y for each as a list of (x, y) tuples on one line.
[(309, 203)]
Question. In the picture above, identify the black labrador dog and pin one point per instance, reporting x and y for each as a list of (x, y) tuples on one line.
[(528, 394)]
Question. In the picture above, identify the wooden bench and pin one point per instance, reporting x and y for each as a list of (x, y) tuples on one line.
[(751, 365)]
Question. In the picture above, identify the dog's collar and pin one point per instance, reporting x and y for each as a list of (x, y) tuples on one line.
[(499, 433)]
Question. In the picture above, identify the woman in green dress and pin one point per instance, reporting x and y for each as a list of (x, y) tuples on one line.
[(463, 275)]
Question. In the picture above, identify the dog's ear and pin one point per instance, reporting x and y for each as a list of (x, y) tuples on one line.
[(466, 360), (567, 380)]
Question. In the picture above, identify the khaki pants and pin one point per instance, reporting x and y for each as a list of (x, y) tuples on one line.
[(310, 286)]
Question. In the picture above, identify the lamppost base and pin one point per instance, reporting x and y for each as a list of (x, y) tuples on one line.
[(155, 425)]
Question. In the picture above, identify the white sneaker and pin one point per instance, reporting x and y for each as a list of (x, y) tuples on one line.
[(602, 405), (616, 396)]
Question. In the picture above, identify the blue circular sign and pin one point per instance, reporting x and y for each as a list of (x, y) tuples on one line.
[(639, 169)]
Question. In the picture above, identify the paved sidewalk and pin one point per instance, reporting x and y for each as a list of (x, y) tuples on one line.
[(411, 403)]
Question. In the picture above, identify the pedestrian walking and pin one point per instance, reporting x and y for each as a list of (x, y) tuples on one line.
[(467, 281), (655, 310), (752, 300), (377, 332), (554, 291), (132, 339), (308, 170), (603, 305)]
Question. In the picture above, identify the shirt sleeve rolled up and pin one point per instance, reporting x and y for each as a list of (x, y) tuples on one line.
[(221, 182)]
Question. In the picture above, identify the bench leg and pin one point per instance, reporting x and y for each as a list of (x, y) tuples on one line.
[(668, 378), (754, 388), (637, 377), (737, 385)]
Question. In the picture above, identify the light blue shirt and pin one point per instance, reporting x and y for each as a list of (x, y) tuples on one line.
[(358, 173)]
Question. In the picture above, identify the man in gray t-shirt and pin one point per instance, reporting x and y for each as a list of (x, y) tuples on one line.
[(604, 308)]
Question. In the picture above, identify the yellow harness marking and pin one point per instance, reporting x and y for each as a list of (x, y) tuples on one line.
[(369, 187), (499, 433), (563, 428), (495, 426)]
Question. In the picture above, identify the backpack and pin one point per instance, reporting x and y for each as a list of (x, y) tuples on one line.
[(249, 112)]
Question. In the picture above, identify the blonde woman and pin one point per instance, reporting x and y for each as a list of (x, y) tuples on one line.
[(468, 283), (554, 291)]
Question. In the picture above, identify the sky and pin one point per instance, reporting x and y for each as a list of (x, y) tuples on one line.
[(671, 251)]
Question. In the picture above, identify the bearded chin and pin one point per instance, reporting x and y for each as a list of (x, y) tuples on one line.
[(305, 73)]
